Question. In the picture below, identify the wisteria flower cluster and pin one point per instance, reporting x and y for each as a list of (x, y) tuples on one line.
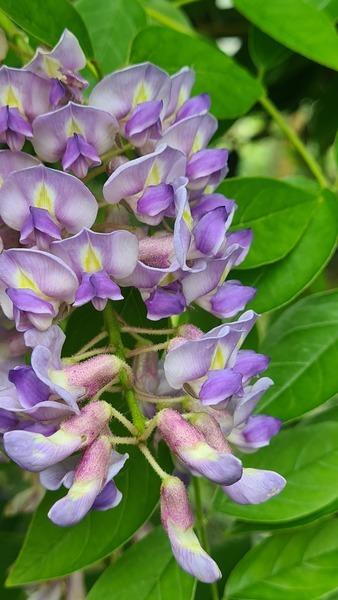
[(165, 232)]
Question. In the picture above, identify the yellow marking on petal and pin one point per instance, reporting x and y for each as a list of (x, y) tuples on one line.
[(187, 539), (1, 181), (43, 197), (81, 488), (12, 99), (51, 67), (187, 218), (201, 451), (218, 359), (91, 260), (197, 145), (209, 189), (167, 279), (73, 127), (142, 94), (24, 282), (154, 176), (182, 97)]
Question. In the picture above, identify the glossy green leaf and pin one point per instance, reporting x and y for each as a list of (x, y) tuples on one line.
[(165, 13), (297, 24), (303, 346), (298, 566), (281, 282), (112, 29), (308, 458), (46, 20), (265, 52), (147, 571), (50, 551), (232, 89), (275, 211)]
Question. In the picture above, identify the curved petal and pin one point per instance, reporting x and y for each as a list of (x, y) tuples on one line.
[(255, 486)]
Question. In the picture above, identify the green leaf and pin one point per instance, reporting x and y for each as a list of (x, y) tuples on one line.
[(265, 52), (297, 566), (112, 29), (50, 551), (166, 13), (147, 571), (232, 89), (281, 282), (277, 213), (12, 542), (46, 20), (303, 346), (83, 324), (297, 24), (308, 458)]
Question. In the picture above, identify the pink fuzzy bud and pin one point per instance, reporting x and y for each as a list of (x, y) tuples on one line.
[(94, 373)]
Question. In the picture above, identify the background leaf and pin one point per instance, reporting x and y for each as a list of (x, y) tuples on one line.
[(281, 282), (50, 551), (166, 13), (147, 571), (46, 20), (276, 212), (266, 52), (289, 566), (308, 376), (233, 90), (308, 458), (297, 24), (112, 29)]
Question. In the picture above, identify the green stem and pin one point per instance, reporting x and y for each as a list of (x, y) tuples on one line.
[(151, 460), (113, 329), (18, 40), (201, 529), (309, 160)]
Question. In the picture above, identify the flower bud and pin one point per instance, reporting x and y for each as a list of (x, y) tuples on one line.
[(93, 374), (192, 448), (177, 520), (35, 452)]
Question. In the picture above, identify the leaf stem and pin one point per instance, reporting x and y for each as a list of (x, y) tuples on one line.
[(113, 329), (201, 529), (151, 460), (309, 160)]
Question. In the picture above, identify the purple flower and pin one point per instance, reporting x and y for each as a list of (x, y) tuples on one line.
[(47, 202), (33, 285), (35, 452), (203, 366), (147, 184), (89, 482), (138, 98), (24, 96), (61, 65), (14, 161), (191, 447), (227, 299), (178, 521), (255, 433), (74, 134), (165, 301), (98, 259), (255, 486), (190, 135), (181, 85)]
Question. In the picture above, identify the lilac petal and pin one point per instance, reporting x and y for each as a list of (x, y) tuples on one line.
[(59, 474), (104, 287), (8, 421), (108, 498), (87, 150), (17, 123), (14, 161), (73, 507), (194, 106), (28, 301), (260, 429), (220, 467), (115, 253), (57, 92), (85, 292), (35, 452), (247, 403), (53, 339), (143, 116), (155, 199), (230, 298), (219, 386), (255, 486), (209, 233), (249, 363), (116, 463), (241, 242), (191, 556), (43, 362), (191, 134), (181, 85), (30, 91), (52, 131), (165, 302), (209, 202), (122, 90), (206, 162), (39, 228), (30, 389)]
